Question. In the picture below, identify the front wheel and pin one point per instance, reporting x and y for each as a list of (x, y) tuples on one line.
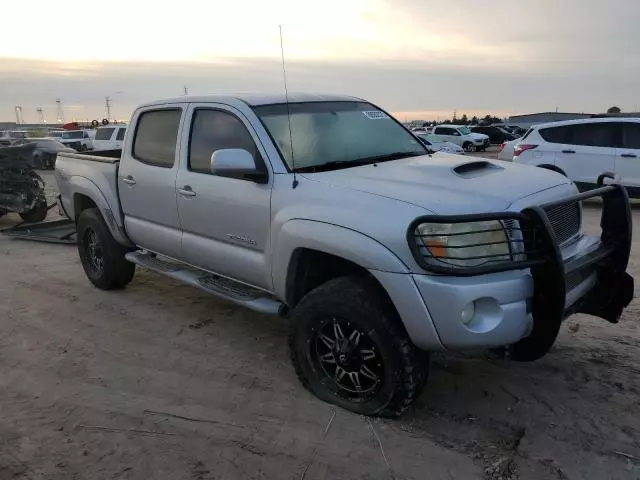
[(101, 255), (349, 349), (469, 147)]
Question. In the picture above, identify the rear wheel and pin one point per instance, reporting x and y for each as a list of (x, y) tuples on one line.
[(469, 147), (38, 213), (349, 349), (101, 255)]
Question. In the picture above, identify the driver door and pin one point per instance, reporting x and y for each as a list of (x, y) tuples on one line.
[(225, 221)]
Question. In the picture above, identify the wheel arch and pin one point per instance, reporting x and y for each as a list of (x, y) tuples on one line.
[(309, 253), (553, 168), (86, 194)]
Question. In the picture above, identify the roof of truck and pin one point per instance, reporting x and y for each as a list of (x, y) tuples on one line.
[(255, 100)]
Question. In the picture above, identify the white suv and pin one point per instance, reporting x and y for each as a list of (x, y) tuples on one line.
[(462, 136), (583, 149), (109, 137)]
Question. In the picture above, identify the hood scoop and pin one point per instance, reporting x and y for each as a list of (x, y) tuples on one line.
[(476, 169)]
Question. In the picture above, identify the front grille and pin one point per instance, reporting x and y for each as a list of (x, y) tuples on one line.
[(565, 221)]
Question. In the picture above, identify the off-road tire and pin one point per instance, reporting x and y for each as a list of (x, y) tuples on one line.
[(469, 147), (116, 271), (361, 302), (37, 213)]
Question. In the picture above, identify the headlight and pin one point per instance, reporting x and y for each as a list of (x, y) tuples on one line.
[(469, 244)]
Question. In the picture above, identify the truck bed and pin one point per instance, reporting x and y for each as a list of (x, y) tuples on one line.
[(94, 175)]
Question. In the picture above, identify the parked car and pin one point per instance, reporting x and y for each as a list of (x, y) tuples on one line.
[(496, 135), (584, 149), (79, 140), (463, 137), (439, 144), (8, 137), (45, 151), (21, 188), (378, 252), (505, 150), (515, 130), (109, 137)]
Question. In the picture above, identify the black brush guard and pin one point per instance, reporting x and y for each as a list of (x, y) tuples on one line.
[(540, 252)]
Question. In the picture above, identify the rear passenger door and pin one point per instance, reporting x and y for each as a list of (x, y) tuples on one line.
[(627, 163), (583, 151), (449, 134), (147, 180)]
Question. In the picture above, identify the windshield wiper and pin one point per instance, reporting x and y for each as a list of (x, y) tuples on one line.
[(338, 164)]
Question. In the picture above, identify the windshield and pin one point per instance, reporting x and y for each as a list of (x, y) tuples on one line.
[(341, 134), (464, 130)]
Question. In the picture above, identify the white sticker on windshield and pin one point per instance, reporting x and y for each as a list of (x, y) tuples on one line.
[(375, 114)]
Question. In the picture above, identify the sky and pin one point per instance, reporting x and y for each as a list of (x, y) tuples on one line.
[(415, 58)]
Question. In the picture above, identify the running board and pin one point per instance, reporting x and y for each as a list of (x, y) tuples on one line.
[(225, 288)]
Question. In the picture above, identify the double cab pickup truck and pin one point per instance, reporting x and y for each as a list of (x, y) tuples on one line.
[(328, 210)]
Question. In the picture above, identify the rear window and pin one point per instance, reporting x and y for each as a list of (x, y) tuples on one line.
[(593, 134), (156, 137), (587, 134), (104, 133), (631, 135), (120, 135), (555, 134)]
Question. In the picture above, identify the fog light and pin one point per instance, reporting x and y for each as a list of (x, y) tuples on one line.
[(468, 312)]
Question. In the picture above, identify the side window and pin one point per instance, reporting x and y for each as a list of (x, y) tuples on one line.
[(213, 130), (156, 137), (556, 134), (120, 134), (103, 133), (592, 134), (631, 135)]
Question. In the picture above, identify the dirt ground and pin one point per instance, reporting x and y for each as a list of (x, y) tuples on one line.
[(161, 381)]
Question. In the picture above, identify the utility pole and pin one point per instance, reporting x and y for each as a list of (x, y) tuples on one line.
[(19, 118), (107, 106), (40, 115), (59, 111)]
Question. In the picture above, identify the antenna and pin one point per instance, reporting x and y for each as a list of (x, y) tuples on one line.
[(286, 99)]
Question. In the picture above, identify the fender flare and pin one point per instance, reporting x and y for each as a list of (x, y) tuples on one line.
[(331, 239), (84, 186)]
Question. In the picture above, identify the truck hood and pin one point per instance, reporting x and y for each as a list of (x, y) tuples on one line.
[(445, 183)]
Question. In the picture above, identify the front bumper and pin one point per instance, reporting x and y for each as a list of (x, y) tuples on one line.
[(523, 303)]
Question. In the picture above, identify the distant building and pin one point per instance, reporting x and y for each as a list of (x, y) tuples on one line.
[(21, 126), (530, 119)]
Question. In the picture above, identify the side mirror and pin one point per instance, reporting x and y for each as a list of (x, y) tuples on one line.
[(456, 133), (236, 163)]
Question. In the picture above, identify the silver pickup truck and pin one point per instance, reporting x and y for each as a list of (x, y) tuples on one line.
[(326, 209)]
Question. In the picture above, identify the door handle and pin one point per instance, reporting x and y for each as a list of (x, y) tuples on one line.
[(629, 155), (129, 180), (568, 151), (186, 191)]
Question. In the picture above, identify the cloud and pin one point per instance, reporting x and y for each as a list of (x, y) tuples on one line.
[(407, 56)]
